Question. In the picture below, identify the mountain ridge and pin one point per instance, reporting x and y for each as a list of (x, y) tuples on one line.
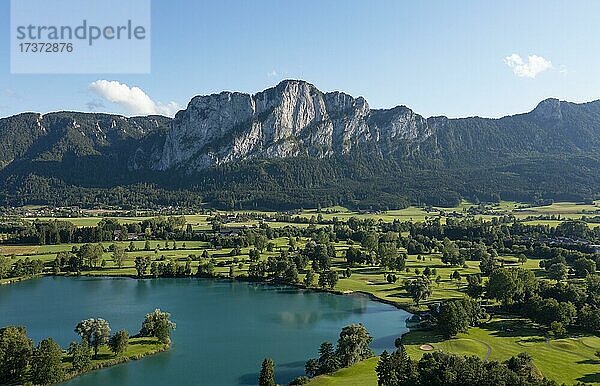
[(292, 130)]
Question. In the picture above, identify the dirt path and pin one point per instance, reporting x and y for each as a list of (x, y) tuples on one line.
[(489, 349)]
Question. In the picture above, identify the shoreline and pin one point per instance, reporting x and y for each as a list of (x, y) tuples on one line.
[(159, 349), (115, 362), (297, 285)]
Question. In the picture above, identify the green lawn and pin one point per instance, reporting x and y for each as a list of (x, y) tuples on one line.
[(567, 210), (361, 374), (565, 360), (137, 349), (373, 280)]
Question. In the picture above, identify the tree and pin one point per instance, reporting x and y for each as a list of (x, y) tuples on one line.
[(254, 255), (522, 258), (455, 316), (558, 271), (267, 373), (355, 256), (81, 356), (328, 360), (474, 286), (206, 269), (301, 380), (309, 278), (260, 242), (46, 363), (589, 318), (397, 369), (384, 370), (456, 276), (118, 255), (328, 279), (501, 286), (387, 253), (15, 354), (5, 267), (522, 364), (511, 285), (451, 254), (370, 241), (557, 329), (94, 331), (488, 264), (141, 265), (119, 342), (546, 311), (159, 325), (311, 367), (353, 345), (90, 254), (418, 289), (584, 266)]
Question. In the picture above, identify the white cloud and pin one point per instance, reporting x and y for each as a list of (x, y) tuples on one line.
[(534, 66), (132, 99), (273, 74)]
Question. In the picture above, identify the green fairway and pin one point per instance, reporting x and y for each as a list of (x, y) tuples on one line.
[(361, 374), (565, 360)]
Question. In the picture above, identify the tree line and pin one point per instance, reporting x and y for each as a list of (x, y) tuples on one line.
[(47, 363)]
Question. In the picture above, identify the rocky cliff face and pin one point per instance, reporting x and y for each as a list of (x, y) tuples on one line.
[(291, 119)]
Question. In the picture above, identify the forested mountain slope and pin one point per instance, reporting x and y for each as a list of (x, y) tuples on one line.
[(292, 146)]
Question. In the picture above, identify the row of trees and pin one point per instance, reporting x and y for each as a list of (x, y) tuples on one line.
[(444, 369), (20, 267), (108, 229)]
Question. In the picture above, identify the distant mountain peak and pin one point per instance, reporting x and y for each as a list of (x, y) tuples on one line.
[(549, 109)]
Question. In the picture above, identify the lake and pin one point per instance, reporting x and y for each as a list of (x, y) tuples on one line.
[(224, 328)]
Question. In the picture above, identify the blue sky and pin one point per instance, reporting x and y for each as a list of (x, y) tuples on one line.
[(437, 57)]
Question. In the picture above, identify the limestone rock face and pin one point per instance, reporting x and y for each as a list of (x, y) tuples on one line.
[(291, 119)]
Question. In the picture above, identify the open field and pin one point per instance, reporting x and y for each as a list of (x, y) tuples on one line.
[(364, 279), (566, 211)]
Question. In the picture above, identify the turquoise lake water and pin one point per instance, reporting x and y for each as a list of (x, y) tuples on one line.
[(224, 329)]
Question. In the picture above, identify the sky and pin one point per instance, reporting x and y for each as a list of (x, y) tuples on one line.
[(455, 58)]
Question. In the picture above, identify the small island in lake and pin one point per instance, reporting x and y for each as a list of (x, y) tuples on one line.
[(47, 363)]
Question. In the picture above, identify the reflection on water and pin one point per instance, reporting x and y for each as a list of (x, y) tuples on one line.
[(224, 329)]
